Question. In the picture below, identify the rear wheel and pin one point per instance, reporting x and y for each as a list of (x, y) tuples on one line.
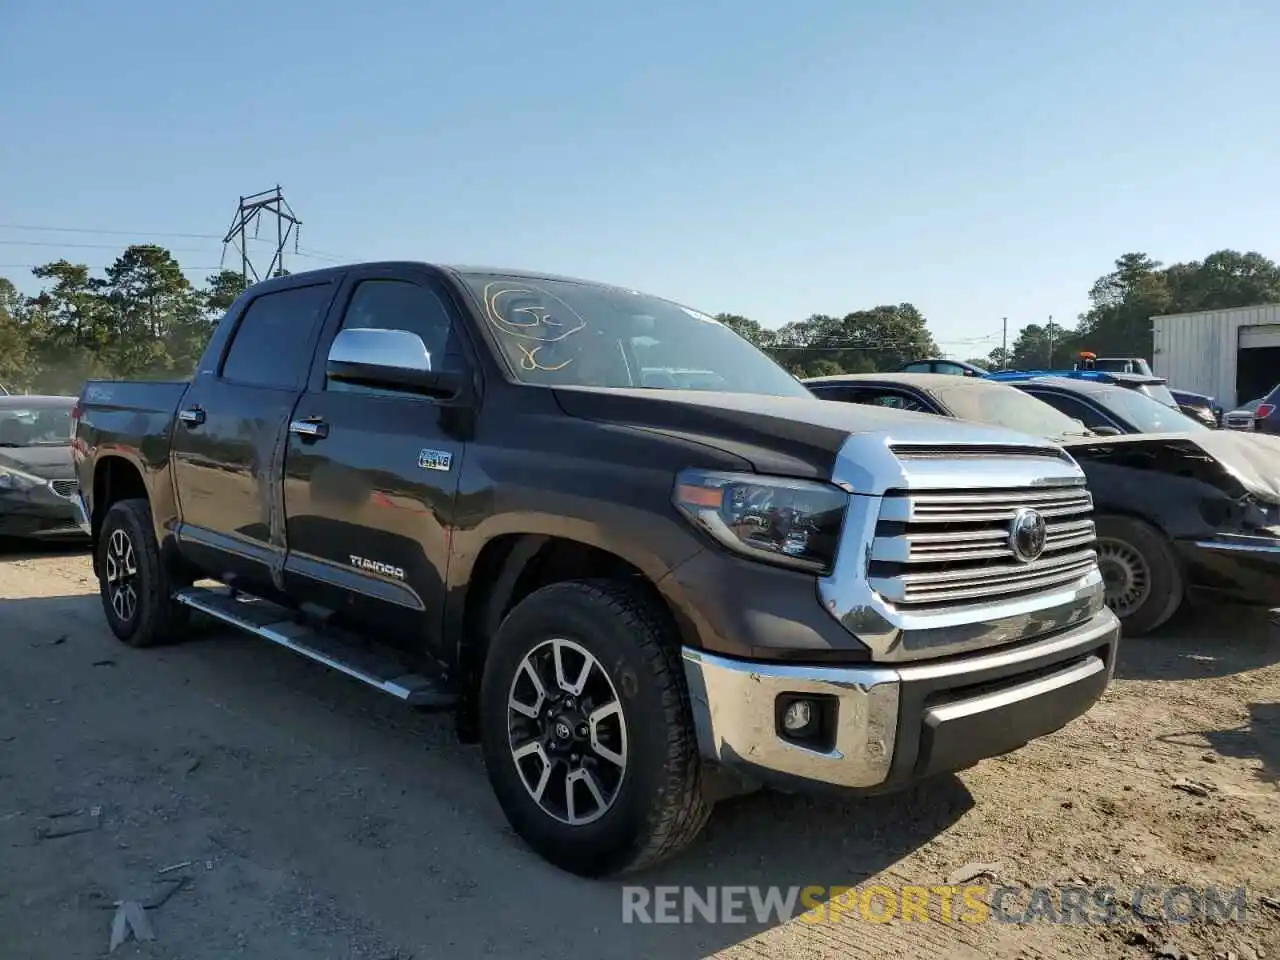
[(135, 584), (587, 732), (1143, 579)]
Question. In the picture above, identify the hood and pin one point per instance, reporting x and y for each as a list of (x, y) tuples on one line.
[(47, 463), (794, 436), (1253, 459)]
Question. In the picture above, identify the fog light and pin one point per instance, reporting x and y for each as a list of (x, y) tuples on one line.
[(798, 716)]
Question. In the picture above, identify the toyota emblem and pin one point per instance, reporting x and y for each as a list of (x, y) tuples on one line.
[(1027, 535)]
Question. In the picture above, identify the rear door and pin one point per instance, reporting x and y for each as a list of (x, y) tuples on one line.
[(371, 475), (228, 443)]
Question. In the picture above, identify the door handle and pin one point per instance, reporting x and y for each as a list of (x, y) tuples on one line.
[(192, 417), (311, 429)]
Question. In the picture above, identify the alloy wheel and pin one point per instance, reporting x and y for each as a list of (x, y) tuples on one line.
[(567, 732), (122, 575)]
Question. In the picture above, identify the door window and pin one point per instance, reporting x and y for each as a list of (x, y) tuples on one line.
[(402, 305), (846, 394), (272, 344), (893, 399), (1074, 409)]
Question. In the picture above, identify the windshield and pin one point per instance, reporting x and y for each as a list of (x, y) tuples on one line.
[(38, 425), (1008, 407), (572, 333), (1160, 393), (1145, 414)]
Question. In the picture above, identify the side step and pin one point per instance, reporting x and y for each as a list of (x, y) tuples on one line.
[(347, 654)]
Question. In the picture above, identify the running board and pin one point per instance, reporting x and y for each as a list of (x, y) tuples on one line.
[(347, 655)]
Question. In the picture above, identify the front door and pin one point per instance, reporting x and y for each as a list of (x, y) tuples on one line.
[(371, 475), (228, 440)]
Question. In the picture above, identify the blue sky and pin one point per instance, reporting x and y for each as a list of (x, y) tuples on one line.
[(979, 159)]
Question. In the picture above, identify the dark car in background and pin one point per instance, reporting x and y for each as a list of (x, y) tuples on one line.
[(1200, 407), (1179, 508), (37, 476), (1261, 415), (1108, 408), (940, 365)]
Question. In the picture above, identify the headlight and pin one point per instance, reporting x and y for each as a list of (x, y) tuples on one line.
[(795, 523), (11, 479)]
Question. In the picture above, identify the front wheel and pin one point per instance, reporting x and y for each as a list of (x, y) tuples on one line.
[(1143, 578), (587, 732), (135, 584)]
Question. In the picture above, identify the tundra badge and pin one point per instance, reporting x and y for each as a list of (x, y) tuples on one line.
[(377, 566), (435, 459)]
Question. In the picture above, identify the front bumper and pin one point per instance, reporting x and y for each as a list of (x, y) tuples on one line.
[(1243, 568), (37, 514), (887, 726)]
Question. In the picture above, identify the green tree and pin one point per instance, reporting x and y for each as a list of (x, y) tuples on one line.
[(1118, 321), (1043, 347), (17, 365), (221, 291), (158, 317), (746, 328), (1001, 358)]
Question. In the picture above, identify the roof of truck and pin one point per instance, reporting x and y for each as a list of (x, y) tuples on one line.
[(447, 267)]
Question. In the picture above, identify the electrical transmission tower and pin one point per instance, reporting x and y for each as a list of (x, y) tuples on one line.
[(249, 214)]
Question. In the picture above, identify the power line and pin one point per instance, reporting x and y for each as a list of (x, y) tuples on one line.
[(309, 253), (88, 246), (32, 266), (119, 233)]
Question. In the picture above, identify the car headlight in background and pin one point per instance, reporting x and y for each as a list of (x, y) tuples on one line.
[(11, 479), (795, 523)]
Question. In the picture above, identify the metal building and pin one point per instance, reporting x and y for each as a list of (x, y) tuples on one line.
[(1232, 355)]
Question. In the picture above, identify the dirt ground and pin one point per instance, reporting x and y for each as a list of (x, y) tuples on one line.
[(317, 819)]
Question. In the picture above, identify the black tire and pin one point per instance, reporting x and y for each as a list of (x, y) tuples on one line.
[(659, 806), (153, 617), (1131, 546)]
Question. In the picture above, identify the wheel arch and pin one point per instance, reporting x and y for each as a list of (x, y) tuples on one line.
[(116, 477), (511, 566)]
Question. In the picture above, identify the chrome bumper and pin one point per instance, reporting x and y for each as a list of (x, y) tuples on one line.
[(893, 724)]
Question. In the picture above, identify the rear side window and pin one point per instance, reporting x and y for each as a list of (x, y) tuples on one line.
[(1073, 408), (891, 399), (273, 343), (844, 394)]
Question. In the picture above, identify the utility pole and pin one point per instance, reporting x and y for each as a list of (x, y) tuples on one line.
[(249, 213), (1049, 330), (1004, 341)]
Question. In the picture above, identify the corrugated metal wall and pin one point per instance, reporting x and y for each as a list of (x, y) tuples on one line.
[(1197, 351)]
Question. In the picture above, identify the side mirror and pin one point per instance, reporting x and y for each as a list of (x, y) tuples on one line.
[(395, 359), (1107, 431)]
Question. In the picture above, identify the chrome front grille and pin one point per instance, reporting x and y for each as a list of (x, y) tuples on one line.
[(64, 488), (955, 546)]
